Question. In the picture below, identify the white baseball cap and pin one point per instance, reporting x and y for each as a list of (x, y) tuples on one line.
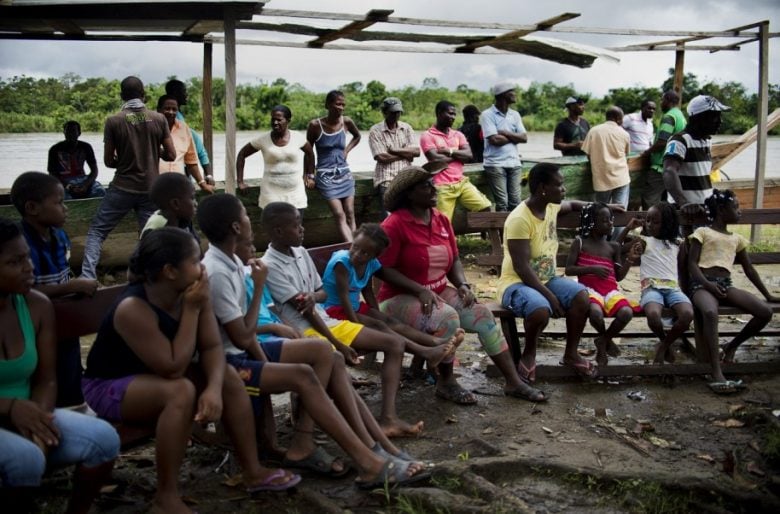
[(704, 103)]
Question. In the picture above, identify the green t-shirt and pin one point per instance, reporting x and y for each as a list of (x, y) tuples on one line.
[(672, 122), (15, 373)]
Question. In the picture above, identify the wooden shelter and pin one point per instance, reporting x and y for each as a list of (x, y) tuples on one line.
[(216, 21)]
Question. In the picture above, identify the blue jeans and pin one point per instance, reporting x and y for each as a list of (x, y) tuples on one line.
[(114, 206), (96, 190), (524, 300), (618, 195), (504, 183), (83, 440)]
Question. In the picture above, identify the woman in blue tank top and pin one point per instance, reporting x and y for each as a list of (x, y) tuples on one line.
[(333, 179)]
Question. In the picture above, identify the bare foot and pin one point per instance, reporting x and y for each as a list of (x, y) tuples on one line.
[(660, 352), (612, 349), (433, 356), (400, 428), (169, 504), (601, 350), (669, 355)]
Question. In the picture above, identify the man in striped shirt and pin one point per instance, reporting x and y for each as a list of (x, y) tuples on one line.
[(687, 158)]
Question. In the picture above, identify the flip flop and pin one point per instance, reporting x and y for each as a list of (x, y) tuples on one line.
[(527, 375), (393, 474), (319, 461), (268, 485), (529, 393), (402, 456), (584, 368), (727, 387), (456, 394)]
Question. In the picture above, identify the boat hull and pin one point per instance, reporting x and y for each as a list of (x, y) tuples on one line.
[(320, 228)]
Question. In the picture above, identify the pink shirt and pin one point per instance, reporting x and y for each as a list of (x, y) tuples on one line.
[(435, 139), (423, 253)]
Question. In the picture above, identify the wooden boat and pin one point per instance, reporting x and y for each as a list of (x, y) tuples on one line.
[(318, 222)]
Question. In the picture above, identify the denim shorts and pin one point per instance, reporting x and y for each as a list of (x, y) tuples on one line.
[(524, 300), (666, 297), (724, 282)]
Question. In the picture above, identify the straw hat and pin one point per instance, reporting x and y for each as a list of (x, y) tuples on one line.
[(408, 178)]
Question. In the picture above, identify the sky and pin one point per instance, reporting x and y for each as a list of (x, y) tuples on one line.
[(321, 71)]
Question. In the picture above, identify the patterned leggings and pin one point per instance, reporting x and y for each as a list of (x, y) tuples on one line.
[(445, 320)]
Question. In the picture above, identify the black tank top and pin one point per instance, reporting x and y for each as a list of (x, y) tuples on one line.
[(110, 356)]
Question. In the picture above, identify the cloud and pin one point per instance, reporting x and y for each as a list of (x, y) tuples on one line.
[(321, 71)]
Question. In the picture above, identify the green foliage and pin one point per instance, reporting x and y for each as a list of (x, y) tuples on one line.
[(42, 105)]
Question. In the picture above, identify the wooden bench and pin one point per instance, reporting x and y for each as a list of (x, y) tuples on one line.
[(77, 316), (493, 224)]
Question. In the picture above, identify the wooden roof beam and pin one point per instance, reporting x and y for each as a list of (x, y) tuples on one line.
[(515, 34), (674, 48), (65, 26), (373, 16)]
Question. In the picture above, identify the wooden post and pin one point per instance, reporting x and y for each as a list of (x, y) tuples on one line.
[(763, 109), (679, 70), (207, 102), (230, 102)]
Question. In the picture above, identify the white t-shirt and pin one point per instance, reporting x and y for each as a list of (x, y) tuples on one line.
[(283, 170)]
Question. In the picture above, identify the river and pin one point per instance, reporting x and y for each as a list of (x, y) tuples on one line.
[(24, 152)]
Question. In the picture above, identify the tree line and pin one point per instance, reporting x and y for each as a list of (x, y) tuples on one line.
[(43, 104)]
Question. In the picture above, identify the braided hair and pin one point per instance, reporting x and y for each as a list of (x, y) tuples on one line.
[(588, 218), (376, 234), (716, 200), (670, 225)]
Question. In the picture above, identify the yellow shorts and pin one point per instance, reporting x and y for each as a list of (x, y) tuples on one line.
[(344, 331), (463, 191)]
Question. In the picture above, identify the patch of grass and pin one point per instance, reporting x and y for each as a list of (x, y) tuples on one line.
[(770, 235), (771, 446), (472, 243), (406, 505), (448, 483)]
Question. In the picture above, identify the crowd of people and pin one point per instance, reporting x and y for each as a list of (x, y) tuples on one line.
[(201, 337)]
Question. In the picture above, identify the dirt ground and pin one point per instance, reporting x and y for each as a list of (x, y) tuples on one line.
[(674, 447)]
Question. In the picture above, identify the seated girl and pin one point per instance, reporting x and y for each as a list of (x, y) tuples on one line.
[(349, 273), (713, 252), (140, 368), (598, 264), (33, 434), (659, 272)]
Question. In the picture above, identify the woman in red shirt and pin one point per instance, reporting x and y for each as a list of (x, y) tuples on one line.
[(425, 284)]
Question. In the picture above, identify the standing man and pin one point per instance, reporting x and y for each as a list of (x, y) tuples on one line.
[(688, 158), (607, 147), (672, 122), (571, 131), (443, 144), (639, 126), (473, 132), (393, 145), (134, 141), (503, 129), (66, 162), (178, 90)]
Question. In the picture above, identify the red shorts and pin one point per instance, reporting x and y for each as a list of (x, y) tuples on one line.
[(337, 311)]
